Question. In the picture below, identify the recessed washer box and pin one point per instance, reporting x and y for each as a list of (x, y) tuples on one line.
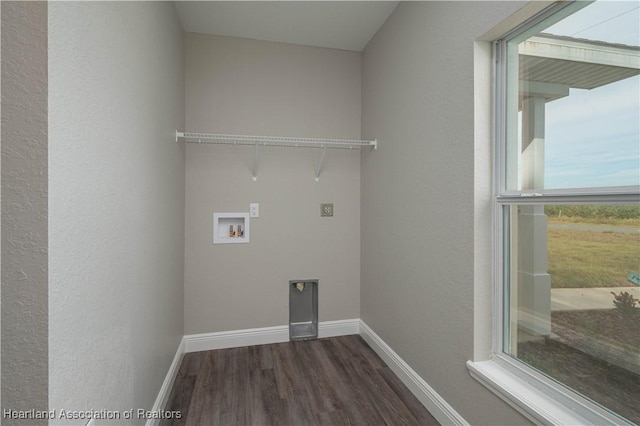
[(230, 228)]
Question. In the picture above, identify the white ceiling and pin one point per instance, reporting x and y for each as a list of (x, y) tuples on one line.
[(347, 25)]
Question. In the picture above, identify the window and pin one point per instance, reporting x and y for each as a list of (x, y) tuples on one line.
[(567, 204)]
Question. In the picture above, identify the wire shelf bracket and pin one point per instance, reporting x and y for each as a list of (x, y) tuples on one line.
[(319, 168), (291, 142)]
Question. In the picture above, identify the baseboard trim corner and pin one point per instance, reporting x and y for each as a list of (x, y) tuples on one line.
[(263, 335), (167, 385), (338, 328), (437, 406), (236, 338)]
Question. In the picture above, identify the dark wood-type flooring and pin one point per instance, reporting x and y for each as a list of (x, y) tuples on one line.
[(333, 381)]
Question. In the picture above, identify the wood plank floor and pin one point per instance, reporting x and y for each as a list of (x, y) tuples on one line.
[(333, 381)]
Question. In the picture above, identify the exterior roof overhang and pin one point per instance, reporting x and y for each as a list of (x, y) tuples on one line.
[(550, 65)]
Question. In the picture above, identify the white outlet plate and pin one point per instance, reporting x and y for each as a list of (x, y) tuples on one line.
[(254, 210)]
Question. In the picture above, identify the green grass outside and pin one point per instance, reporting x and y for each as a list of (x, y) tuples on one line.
[(579, 258), (629, 223)]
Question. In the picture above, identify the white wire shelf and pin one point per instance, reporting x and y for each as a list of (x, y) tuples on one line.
[(217, 138), (264, 141)]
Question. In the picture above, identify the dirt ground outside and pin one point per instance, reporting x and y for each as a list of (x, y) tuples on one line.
[(595, 352)]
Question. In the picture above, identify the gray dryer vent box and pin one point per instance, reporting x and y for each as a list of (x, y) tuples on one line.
[(303, 309)]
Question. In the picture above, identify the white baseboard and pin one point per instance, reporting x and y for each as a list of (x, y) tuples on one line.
[(338, 328), (236, 338), (263, 336), (167, 385), (437, 406)]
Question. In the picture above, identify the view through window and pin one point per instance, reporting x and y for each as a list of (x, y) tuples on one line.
[(568, 194)]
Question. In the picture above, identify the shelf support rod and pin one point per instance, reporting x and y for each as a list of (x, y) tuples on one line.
[(254, 170), (324, 151)]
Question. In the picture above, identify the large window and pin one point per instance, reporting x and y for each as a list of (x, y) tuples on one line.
[(567, 201)]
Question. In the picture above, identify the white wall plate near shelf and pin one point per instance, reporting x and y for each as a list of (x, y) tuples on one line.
[(230, 228)]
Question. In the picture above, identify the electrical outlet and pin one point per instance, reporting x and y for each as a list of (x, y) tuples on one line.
[(254, 210), (326, 209)]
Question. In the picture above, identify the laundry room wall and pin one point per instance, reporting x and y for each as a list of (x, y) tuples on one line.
[(116, 203), (418, 287), (249, 87), (25, 196)]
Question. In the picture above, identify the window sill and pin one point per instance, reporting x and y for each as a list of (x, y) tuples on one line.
[(540, 400)]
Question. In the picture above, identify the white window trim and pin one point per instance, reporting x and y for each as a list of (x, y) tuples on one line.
[(538, 398), (541, 402)]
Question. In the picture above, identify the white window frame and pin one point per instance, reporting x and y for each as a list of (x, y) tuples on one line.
[(536, 396)]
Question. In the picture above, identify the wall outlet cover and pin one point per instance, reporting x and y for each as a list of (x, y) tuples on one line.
[(254, 210), (326, 209)]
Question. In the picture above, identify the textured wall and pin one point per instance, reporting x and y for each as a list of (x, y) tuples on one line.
[(116, 202), (24, 207), (0, 215), (250, 87), (418, 195)]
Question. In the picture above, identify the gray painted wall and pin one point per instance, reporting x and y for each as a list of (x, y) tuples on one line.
[(245, 86), (418, 192), (0, 218), (24, 207), (116, 195), (116, 202)]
